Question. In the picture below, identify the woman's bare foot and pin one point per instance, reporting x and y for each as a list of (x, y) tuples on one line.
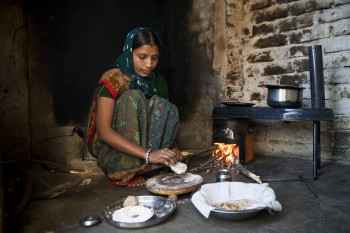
[(139, 182)]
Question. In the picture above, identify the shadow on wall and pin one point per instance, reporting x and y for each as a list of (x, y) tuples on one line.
[(88, 36)]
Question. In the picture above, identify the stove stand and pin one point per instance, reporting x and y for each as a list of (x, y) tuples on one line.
[(307, 114)]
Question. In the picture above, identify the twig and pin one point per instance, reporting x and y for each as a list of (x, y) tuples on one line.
[(207, 167), (201, 152), (211, 159), (60, 189), (247, 173)]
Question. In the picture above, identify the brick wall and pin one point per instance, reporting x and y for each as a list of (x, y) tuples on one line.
[(268, 43)]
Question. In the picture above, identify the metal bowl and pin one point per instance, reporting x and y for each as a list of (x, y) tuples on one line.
[(232, 215), (89, 221), (284, 96), (223, 175), (163, 209)]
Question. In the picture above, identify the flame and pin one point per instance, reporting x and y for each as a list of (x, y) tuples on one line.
[(231, 150)]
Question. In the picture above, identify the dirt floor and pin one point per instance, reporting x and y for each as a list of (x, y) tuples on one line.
[(316, 206)]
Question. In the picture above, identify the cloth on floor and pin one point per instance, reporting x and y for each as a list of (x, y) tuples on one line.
[(210, 194)]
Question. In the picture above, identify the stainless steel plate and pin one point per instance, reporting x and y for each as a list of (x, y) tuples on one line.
[(235, 215), (163, 209), (236, 104)]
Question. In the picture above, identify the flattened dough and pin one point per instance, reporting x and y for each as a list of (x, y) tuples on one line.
[(179, 168), (133, 214)]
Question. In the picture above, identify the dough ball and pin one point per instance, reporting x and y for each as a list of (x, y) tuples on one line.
[(173, 198), (179, 168), (130, 201)]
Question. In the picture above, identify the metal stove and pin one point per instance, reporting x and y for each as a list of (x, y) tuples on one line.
[(236, 131), (317, 113)]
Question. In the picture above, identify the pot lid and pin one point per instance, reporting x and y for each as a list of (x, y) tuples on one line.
[(275, 86)]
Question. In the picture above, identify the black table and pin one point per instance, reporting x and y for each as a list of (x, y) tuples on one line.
[(285, 114)]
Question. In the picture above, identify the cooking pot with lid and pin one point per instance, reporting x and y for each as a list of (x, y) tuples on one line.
[(284, 96)]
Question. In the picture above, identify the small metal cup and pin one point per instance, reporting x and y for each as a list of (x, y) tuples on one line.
[(223, 175), (89, 221)]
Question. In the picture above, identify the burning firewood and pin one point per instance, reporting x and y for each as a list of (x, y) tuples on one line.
[(226, 156), (210, 160)]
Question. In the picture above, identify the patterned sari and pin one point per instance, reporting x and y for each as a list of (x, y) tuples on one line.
[(151, 123)]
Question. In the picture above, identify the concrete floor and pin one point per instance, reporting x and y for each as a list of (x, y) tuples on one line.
[(301, 211)]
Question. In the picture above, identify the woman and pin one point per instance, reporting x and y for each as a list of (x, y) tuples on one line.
[(131, 123)]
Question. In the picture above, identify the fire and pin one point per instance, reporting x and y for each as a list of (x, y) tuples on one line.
[(228, 151)]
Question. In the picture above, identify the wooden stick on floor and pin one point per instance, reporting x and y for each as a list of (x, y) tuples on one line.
[(247, 173), (60, 189)]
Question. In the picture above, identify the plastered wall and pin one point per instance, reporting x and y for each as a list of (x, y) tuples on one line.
[(52, 54), (267, 43)]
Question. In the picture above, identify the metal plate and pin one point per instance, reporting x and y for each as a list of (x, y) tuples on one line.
[(174, 184), (231, 215), (163, 209), (236, 104)]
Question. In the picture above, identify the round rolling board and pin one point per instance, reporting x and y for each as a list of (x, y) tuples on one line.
[(173, 184)]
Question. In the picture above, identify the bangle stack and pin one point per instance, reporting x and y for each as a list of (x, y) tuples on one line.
[(147, 156)]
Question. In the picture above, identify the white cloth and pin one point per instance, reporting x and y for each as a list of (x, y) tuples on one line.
[(210, 194)]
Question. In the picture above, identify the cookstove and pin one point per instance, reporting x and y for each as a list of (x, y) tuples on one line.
[(235, 123), (236, 131)]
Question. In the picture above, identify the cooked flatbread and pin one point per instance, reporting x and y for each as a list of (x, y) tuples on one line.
[(179, 168), (132, 214), (130, 201), (235, 205)]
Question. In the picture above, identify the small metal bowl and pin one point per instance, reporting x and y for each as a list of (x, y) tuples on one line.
[(224, 175), (89, 221)]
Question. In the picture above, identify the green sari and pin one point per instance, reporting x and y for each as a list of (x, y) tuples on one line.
[(151, 123), (141, 116)]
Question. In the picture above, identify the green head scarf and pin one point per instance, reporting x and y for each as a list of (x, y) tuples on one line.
[(125, 63)]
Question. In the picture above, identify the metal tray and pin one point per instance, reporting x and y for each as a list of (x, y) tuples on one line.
[(232, 215), (163, 209), (236, 104)]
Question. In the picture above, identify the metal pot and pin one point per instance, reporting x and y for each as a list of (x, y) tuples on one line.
[(284, 96)]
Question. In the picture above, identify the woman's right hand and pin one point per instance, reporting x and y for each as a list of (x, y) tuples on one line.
[(165, 156)]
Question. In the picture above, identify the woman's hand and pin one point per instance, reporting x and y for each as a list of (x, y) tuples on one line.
[(165, 156), (178, 154)]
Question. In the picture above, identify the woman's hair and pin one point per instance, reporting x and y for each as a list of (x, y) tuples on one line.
[(145, 37)]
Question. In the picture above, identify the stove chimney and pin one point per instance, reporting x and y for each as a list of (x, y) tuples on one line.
[(316, 76)]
